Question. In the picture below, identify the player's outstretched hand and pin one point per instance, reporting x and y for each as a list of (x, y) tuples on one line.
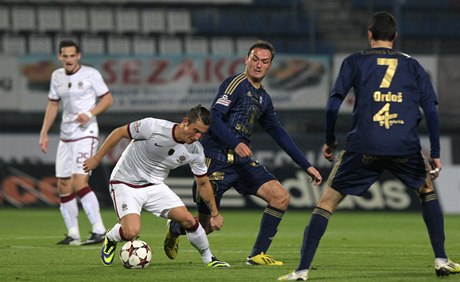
[(90, 164), (217, 222), (316, 177), (328, 151)]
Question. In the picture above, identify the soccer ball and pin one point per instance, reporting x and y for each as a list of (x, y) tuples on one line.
[(135, 254)]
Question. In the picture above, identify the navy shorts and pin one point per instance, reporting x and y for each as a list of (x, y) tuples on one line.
[(354, 173), (245, 177)]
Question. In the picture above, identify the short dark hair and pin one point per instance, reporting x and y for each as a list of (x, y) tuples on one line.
[(383, 26), (68, 43), (263, 45), (199, 113)]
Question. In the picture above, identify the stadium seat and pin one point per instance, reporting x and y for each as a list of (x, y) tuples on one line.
[(243, 44), (231, 21), (153, 21), (170, 46), (297, 46), (92, 45), (196, 45), (23, 19), (4, 18), (179, 21), (222, 46), (144, 45), (75, 19), (49, 19), (127, 21), (59, 37), (281, 23), (41, 44), (14, 45), (257, 22), (118, 45), (205, 21), (101, 20)]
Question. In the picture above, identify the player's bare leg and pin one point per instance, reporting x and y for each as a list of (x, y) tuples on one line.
[(127, 230)]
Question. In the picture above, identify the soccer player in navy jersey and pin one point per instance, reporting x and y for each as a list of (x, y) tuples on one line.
[(390, 87), (241, 102)]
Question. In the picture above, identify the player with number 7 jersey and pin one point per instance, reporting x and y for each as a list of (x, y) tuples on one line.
[(389, 87)]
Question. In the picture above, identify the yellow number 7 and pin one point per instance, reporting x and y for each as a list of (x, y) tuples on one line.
[(388, 77)]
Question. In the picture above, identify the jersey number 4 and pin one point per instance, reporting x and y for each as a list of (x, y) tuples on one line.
[(383, 116)]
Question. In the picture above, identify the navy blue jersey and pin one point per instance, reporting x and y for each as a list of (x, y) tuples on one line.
[(390, 88), (235, 111)]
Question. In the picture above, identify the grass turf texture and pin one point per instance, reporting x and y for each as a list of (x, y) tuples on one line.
[(364, 246)]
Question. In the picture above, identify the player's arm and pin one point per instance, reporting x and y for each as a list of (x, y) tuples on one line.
[(273, 126), (221, 106), (104, 103), (432, 123), (50, 116), (332, 110), (110, 142), (429, 106), (206, 193), (219, 128)]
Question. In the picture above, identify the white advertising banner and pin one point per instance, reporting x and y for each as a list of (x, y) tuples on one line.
[(23, 147), (179, 83), (25, 166)]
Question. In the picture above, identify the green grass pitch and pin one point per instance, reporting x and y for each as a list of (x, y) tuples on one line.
[(358, 246)]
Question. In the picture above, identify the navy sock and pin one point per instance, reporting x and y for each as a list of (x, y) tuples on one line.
[(176, 228), (268, 228), (313, 233), (434, 221)]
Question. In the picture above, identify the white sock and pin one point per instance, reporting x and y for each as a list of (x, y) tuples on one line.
[(114, 233), (91, 207), (69, 211), (199, 240), (442, 260)]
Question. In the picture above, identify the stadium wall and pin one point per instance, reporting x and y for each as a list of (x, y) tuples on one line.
[(27, 178)]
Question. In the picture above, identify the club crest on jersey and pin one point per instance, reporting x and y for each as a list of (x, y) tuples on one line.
[(224, 100), (80, 85), (181, 159), (255, 97)]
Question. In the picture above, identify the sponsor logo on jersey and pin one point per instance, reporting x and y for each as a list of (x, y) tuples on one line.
[(137, 124)]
